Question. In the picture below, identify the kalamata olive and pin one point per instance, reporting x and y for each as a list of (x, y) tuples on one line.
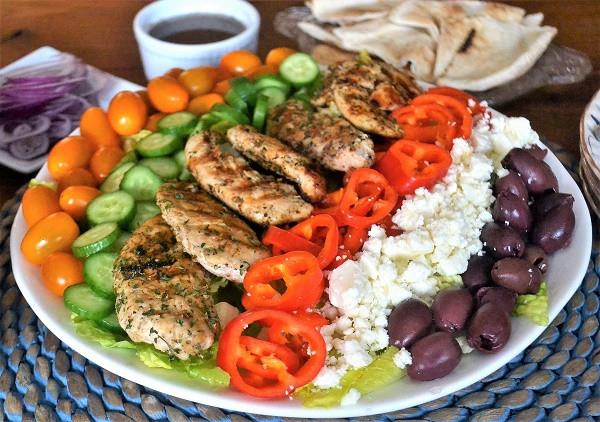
[(489, 329), (537, 152), (554, 231), (451, 309), (536, 256), (511, 183), (504, 298), (536, 174), (544, 204), (501, 241), (434, 356), (517, 275), (408, 322), (478, 272), (511, 210)]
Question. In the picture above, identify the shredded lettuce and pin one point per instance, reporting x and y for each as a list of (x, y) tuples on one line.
[(381, 372), (203, 367), (534, 307), (448, 282)]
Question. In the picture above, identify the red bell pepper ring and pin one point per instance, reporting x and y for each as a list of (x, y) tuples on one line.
[(278, 379), (285, 241), (463, 117), (302, 277), (410, 165), (322, 230), (473, 105), (367, 198)]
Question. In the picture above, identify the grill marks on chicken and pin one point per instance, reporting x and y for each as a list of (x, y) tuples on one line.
[(163, 296), (279, 158), (322, 136), (216, 238), (262, 199)]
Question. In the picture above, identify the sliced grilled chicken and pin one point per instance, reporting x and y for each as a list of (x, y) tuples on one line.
[(216, 238), (322, 136), (163, 296), (261, 199), (279, 158)]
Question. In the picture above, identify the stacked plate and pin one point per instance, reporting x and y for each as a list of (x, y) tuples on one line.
[(589, 167)]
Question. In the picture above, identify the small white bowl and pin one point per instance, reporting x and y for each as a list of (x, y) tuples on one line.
[(159, 56)]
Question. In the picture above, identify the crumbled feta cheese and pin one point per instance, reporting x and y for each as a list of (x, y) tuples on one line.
[(403, 358), (351, 398)]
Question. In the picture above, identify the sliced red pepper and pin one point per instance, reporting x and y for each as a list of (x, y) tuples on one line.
[(467, 99), (463, 117), (301, 274), (354, 239), (410, 165), (323, 231), (330, 203), (278, 378), (284, 241), (367, 198)]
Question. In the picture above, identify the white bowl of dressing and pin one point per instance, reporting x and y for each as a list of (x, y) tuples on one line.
[(191, 33)]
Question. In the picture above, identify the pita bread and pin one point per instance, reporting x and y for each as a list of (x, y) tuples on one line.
[(454, 32), (415, 14), (535, 19), (348, 11), (502, 51), (321, 33)]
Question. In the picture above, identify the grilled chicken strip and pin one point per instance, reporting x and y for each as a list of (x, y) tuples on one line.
[(261, 199), (280, 159), (322, 136), (162, 295), (216, 238)]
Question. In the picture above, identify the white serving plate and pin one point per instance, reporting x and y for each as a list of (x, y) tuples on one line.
[(567, 269)]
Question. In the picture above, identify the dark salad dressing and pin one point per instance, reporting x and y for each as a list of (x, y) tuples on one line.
[(198, 28)]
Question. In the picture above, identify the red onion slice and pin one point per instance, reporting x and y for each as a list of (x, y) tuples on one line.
[(28, 148), (60, 127)]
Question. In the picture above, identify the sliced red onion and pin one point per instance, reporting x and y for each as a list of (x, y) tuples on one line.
[(28, 148), (14, 131), (60, 127)]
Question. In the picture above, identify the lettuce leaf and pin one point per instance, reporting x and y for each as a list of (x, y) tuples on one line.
[(534, 307), (203, 368), (381, 372)]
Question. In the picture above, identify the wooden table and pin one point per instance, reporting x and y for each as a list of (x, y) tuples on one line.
[(100, 33)]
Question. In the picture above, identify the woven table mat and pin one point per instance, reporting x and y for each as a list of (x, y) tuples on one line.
[(557, 378)]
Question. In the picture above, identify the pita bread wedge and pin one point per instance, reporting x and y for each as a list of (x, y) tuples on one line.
[(535, 19), (321, 33), (498, 52), (348, 11), (418, 14), (454, 33)]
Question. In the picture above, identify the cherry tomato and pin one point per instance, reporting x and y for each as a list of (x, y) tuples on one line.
[(237, 62), (127, 113), (221, 87), (167, 95), (202, 104), (96, 128), (39, 202), (60, 271), (266, 69), (75, 199), (69, 153), (279, 54), (199, 80), (104, 160), (152, 122), (77, 176), (174, 72), (144, 95), (54, 233)]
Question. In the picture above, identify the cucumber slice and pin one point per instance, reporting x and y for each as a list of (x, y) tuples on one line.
[(145, 211), (186, 176), (130, 157), (299, 69), (234, 100), (260, 112), (119, 243), (111, 323), (98, 273), (180, 159), (226, 112), (166, 167), (113, 181), (275, 95), (158, 145), (205, 123), (118, 207), (141, 183), (267, 81), (245, 89), (95, 239), (179, 124), (223, 126), (81, 300)]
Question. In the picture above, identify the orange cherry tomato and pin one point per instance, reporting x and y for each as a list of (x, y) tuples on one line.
[(199, 80), (202, 104), (174, 72), (96, 128), (75, 200), (167, 95), (278, 55), (267, 69), (144, 95), (127, 113), (237, 62), (152, 122), (54, 233), (39, 202), (223, 74), (69, 153), (77, 176), (221, 87), (104, 160), (60, 271)]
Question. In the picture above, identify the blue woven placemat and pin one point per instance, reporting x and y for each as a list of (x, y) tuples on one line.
[(557, 378)]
